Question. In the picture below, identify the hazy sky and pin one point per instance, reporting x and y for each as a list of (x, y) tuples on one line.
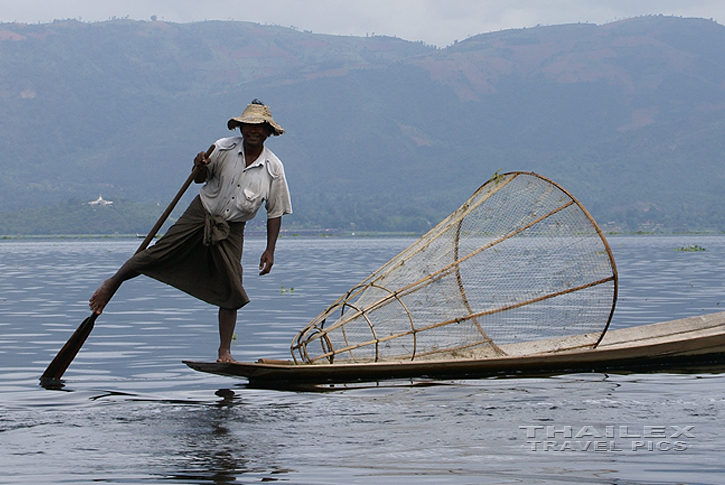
[(436, 22)]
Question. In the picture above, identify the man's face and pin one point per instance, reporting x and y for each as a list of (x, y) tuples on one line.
[(254, 135)]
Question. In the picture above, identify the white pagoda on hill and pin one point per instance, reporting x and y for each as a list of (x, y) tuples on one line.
[(100, 201)]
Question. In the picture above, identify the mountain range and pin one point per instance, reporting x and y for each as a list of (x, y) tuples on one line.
[(382, 134)]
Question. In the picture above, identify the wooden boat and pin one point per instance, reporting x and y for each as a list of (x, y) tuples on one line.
[(518, 281), (676, 345)]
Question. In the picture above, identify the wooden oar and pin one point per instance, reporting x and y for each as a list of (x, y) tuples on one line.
[(57, 367)]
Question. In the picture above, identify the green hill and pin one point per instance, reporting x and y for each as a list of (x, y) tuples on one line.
[(382, 134)]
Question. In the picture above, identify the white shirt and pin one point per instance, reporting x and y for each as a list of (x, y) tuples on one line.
[(236, 192)]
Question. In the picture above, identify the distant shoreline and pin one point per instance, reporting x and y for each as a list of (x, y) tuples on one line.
[(249, 234), (315, 234)]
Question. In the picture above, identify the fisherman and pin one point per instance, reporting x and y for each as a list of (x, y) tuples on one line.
[(201, 253)]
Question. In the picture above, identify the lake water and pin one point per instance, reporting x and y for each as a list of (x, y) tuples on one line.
[(131, 412)]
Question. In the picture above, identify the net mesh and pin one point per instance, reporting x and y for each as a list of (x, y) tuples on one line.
[(520, 261)]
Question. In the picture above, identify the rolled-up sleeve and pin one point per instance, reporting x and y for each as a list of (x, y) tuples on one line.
[(278, 199)]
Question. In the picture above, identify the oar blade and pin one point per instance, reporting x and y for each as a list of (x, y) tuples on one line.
[(66, 355)]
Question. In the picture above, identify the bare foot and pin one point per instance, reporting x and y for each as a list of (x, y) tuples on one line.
[(225, 356), (102, 295)]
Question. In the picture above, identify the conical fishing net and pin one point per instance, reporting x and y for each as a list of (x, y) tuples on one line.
[(519, 264)]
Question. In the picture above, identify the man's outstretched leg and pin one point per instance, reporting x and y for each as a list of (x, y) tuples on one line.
[(103, 294), (227, 323)]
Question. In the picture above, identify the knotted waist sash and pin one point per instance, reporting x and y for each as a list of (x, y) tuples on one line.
[(215, 229)]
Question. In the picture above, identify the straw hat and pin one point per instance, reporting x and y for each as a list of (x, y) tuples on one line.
[(254, 114)]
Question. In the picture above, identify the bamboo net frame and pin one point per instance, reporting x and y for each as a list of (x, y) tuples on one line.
[(519, 261)]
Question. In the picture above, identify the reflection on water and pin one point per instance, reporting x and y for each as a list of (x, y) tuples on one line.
[(132, 413)]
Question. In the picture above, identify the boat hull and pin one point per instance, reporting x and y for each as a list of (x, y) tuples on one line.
[(676, 345)]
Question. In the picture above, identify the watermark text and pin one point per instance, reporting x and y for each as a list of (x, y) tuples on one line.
[(608, 438)]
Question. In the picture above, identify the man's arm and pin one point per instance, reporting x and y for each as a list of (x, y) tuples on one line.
[(267, 260), (202, 160)]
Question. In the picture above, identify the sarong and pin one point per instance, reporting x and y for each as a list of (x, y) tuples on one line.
[(200, 255)]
